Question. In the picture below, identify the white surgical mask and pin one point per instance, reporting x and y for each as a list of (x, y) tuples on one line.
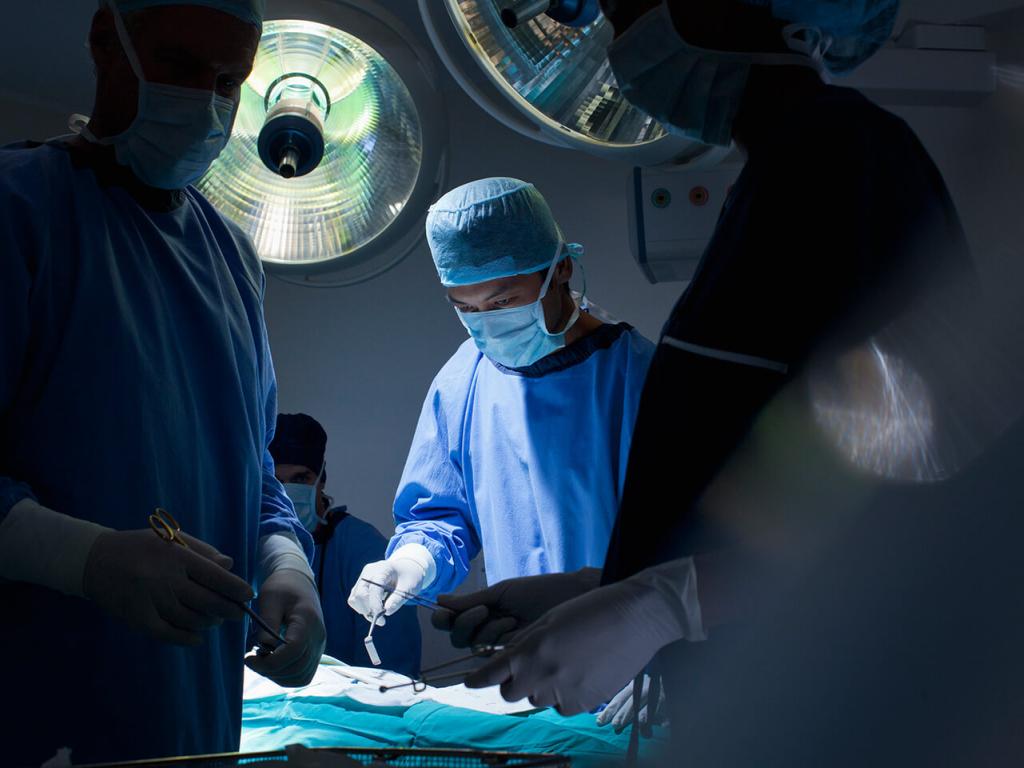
[(177, 132), (519, 337), (694, 92)]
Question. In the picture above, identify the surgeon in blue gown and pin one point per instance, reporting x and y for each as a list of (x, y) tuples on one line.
[(520, 450), (344, 545), (135, 374)]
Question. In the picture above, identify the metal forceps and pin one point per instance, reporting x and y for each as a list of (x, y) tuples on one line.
[(419, 684), (371, 649), (407, 596), (166, 527)]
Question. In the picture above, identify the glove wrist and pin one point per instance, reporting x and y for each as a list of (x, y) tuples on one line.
[(44, 547), (666, 596), (420, 555), (281, 552)]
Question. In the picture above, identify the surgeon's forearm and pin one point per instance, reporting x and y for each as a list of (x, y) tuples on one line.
[(44, 547)]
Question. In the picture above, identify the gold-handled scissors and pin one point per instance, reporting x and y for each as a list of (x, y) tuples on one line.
[(166, 527)]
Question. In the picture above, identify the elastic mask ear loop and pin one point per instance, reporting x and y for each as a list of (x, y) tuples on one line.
[(551, 271), (316, 487), (811, 42), (559, 258), (126, 43), (133, 62)]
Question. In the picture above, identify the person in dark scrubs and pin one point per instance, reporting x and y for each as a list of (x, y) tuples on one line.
[(344, 544), (839, 229)]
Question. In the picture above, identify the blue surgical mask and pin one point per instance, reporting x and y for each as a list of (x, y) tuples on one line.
[(693, 92), (518, 337), (177, 132), (304, 498)]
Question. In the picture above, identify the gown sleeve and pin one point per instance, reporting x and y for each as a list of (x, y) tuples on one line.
[(432, 507), (15, 288), (277, 515), (817, 251)]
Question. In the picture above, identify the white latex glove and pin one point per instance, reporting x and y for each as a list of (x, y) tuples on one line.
[(167, 590), (288, 598), (582, 652), (488, 617), (619, 711), (408, 571)]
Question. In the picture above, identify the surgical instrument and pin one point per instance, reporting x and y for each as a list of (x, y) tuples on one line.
[(420, 683), (407, 596), (371, 649), (167, 528)]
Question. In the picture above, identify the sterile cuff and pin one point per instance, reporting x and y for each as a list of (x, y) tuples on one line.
[(676, 582), (40, 546), (281, 551), (420, 555)]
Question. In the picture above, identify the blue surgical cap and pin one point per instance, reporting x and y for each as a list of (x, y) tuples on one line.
[(250, 11), (858, 27), (490, 229)]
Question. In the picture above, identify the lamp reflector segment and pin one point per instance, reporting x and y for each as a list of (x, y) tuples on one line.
[(373, 147), (558, 74)]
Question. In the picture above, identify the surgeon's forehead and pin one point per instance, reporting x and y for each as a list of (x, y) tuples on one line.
[(489, 289), (196, 33)]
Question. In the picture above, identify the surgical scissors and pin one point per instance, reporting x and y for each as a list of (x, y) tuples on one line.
[(166, 527), (420, 683)]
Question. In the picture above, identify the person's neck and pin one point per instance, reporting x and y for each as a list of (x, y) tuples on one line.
[(585, 325), (771, 92)]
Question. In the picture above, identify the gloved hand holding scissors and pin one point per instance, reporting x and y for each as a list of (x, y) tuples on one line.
[(386, 585), (582, 652), (172, 592), (489, 616)]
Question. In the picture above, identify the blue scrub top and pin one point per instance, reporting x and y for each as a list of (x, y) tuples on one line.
[(134, 373), (525, 465), (338, 562)]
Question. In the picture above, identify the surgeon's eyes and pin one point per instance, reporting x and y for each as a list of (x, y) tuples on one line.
[(229, 85), (503, 302)]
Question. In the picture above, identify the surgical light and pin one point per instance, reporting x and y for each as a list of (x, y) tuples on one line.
[(548, 77), (327, 148)]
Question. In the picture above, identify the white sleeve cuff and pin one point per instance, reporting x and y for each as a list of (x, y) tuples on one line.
[(281, 551), (43, 547), (676, 582), (420, 555)]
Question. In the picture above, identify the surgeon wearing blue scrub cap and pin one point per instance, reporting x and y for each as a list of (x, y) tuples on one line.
[(520, 447), (838, 226), (135, 373)]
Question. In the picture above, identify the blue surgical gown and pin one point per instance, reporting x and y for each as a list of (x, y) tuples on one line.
[(526, 465), (134, 373), (337, 565)]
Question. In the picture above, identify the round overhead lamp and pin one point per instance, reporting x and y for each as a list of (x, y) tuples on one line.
[(541, 68), (337, 150)]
